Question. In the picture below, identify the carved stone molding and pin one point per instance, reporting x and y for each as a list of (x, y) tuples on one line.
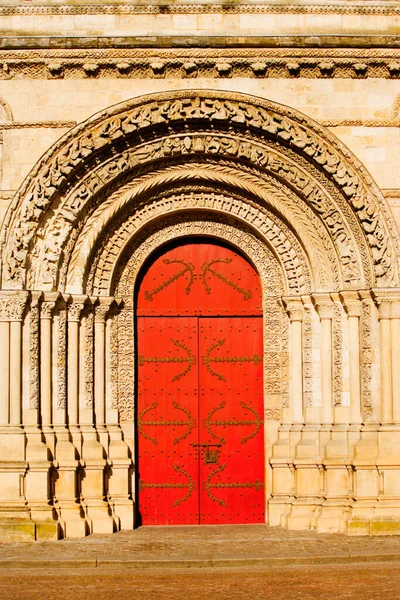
[(267, 120), (34, 363), (196, 63), (209, 8)]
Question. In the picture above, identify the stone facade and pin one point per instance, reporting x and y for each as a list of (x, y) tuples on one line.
[(273, 127)]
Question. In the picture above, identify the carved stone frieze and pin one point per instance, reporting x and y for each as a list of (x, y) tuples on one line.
[(337, 333), (366, 355), (61, 321), (219, 110), (34, 363), (200, 63), (64, 8)]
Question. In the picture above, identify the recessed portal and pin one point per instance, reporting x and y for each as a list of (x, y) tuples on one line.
[(200, 388)]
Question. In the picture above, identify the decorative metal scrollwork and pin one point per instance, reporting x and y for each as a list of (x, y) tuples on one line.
[(187, 268), (207, 359), (207, 485), (207, 268), (191, 485), (190, 359), (208, 424), (190, 423)]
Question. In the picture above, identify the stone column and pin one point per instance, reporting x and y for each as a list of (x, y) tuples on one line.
[(5, 361), (294, 308), (384, 316), (395, 335), (101, 312), (46, 378), (325, 310), (352, 305), (16, 312), (74, 312)]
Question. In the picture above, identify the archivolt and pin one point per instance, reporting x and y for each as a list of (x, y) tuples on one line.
[(151, 129), (267, 206), (204, 204)]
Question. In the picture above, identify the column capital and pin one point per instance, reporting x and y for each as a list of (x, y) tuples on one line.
[(323, 305), (102, 308), (388, 303), (294, 307), (351, 302), (48, 304), (75, 305), (13, 304)]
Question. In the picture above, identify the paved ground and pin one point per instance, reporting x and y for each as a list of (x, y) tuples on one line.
[(339, 582), (205, 546), (248, 562)]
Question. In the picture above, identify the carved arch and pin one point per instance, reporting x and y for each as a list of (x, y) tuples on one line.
[(159, 128)]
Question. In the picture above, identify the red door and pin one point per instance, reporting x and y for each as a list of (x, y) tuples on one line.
[(200, 388)]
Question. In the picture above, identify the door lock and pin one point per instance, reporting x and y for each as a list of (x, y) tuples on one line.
[(210, 456)]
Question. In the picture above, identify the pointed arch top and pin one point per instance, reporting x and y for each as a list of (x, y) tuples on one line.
[(169, 126)]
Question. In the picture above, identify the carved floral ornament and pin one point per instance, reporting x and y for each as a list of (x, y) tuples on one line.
[(48, 193)]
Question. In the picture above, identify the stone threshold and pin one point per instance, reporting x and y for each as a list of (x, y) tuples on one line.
[(196, 563)]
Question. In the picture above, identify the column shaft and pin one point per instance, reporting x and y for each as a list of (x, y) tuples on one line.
[(386, 374), (395, 334), (73, 372), (16, 372), (99, 371), (45, 371), (296, 371), (5, 372), (355, 384), (326, 370)]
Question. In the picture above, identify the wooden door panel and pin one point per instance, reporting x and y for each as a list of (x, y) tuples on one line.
[(168, 420), (231, 415), (200, 279), (200, 388)]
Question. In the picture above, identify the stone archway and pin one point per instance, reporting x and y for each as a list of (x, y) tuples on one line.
[(256, 174)]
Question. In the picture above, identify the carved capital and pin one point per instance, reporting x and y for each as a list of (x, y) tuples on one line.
[(76, 305), (294, 308), (388, 303), (323, 305), (12, 305), (352, 303), (103, 308), (48, 305)]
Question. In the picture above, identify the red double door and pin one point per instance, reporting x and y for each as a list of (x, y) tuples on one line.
[(200, 388)]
